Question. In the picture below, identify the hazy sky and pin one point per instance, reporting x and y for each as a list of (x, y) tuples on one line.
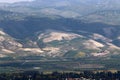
[(12, 1)]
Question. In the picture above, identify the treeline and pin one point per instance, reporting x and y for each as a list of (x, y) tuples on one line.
[(85, 75)]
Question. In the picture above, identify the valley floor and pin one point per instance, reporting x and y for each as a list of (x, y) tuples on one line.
[(59, 64)]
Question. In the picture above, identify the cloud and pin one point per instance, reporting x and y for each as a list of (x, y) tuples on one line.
[(12, 1)]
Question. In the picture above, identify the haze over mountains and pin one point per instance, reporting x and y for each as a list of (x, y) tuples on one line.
[(12, 1), (64, 28)]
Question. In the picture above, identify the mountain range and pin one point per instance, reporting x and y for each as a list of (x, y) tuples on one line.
[(65, 28)]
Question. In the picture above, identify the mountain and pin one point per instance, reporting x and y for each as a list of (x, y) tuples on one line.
[(75, 45), (105, 16), (64, 28), (8, 45), (44, 36), (54, 43), (78, 6), (104, 11)]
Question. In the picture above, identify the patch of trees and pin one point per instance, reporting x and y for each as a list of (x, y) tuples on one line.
[(35, 75)]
